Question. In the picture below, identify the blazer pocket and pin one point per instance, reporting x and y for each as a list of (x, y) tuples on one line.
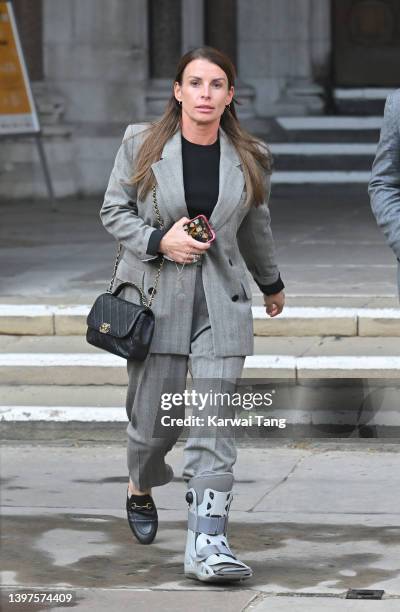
[(247, 291)]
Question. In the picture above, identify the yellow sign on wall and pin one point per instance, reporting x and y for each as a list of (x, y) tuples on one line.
[(17, 108)]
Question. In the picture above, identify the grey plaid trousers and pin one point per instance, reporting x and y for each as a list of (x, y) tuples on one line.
[(148, 443)]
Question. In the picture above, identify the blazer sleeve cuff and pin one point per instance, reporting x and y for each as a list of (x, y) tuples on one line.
[(273, 288), (154, 241)]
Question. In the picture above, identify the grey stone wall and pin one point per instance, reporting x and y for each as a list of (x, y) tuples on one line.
[(97, 80), (96, 56)]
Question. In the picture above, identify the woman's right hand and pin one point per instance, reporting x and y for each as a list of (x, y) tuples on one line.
[(179, 246)]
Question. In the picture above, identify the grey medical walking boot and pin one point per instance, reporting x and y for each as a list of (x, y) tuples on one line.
[(207, 556)]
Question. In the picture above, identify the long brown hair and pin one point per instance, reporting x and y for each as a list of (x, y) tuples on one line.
[(256, 160)]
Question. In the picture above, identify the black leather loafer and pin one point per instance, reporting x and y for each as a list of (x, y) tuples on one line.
[(142, 517)]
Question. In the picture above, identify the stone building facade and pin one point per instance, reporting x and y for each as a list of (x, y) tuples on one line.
[(97, 65)]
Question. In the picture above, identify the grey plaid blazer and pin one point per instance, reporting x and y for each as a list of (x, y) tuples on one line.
[(243, 243), (384, 185)]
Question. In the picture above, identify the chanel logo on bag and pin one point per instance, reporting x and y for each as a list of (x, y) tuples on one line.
[(105, 328)]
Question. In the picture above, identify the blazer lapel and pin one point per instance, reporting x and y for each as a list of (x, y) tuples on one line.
[(169, 175), (231, 182)]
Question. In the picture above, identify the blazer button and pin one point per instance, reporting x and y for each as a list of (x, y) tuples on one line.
[(230, 262), (150, 290), (235, 298)]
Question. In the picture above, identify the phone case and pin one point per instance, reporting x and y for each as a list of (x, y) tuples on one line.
[(199, 229)]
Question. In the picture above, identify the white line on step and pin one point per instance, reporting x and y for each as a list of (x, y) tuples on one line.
[(8, 310), (327, 148), (41, 360), (93, 414), (308, 312), (365, 93), (320, 177), (62, 413), (40, 310), (352, 362), (335, 122), (106, 360), (252, 361)]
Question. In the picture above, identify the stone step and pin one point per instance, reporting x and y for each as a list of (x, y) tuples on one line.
[(331, 128), (50, 319), (58, 395), (300, 299), (361, 101), (318, 157), (321, 177), (309, 412), (323, 149), (106, 369), (88, 386), (310, 408), (297, 346)]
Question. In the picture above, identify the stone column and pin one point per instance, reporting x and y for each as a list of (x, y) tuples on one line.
[(164, 37), (220, 26), (95, 55), (321, 40), (192, 24), (279, 48), (30, 27), (165, 46)]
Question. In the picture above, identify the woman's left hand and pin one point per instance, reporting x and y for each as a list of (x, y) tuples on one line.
[(274, 303)]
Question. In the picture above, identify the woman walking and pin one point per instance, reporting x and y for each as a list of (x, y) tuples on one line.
[(201, 161)]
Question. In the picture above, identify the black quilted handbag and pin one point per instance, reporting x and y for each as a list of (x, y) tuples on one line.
[(119, 326)]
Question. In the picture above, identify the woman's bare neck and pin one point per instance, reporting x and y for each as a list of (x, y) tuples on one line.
[(200, 134)]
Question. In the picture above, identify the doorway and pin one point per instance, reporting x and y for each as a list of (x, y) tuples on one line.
[(366, 43)]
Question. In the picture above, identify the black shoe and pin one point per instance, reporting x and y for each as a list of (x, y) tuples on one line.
[(142, 517)]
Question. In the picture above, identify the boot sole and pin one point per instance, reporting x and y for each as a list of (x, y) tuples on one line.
[(189, 573)]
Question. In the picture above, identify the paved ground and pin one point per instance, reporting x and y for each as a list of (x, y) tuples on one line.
[(327, 245), (312, 521)]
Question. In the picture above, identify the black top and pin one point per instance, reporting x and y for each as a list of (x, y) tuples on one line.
[(200, 176), (201, 183)]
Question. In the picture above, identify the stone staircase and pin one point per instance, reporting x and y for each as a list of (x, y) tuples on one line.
[(50, 376), (328, 149)]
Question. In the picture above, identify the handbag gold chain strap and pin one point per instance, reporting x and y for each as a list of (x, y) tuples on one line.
[(140, 289)]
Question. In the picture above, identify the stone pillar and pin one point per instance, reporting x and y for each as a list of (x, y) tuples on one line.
[(164, 37), (192, 24), (220, 26), (96, 57), (321, 40), (221, 31), (30, 27), (165, 47), (279, 48)]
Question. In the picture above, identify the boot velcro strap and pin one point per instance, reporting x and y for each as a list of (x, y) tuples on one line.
[(213, 549), (212, 525)]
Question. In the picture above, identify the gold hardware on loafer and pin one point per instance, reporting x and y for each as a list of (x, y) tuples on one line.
[(147, 506)]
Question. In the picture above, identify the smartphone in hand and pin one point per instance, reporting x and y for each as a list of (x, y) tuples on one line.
[(200, 229)]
